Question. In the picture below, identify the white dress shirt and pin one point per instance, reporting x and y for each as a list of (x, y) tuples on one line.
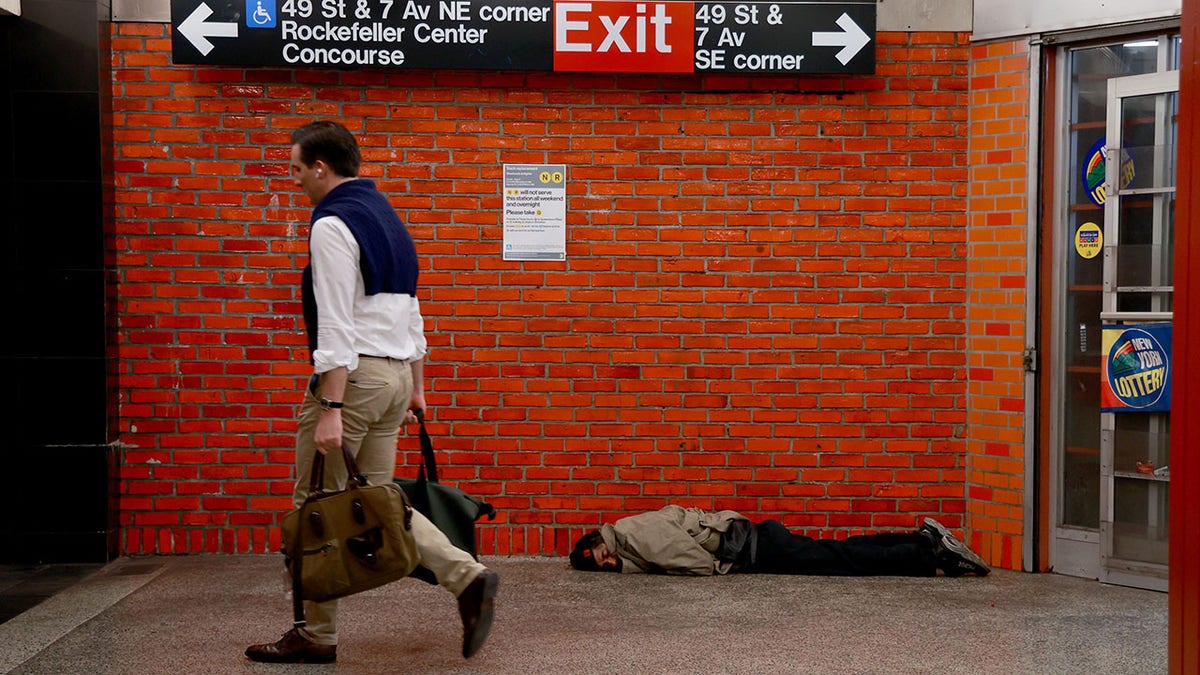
[(349, 322)]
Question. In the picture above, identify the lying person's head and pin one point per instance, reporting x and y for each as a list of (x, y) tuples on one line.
[(591, 554)]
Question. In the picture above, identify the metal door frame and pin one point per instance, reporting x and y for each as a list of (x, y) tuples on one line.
[(1070, 550), (1115, 570)]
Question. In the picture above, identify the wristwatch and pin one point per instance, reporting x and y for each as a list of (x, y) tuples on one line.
[(327, 404)]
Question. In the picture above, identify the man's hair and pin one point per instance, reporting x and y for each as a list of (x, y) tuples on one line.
[(582, 557), (331, 143)]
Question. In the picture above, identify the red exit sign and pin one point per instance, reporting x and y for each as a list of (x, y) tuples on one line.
[(619, 36)]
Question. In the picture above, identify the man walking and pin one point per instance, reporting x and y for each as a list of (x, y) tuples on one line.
[(366, 336)]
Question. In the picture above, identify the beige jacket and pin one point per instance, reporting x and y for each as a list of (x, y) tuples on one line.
[(672, 540)]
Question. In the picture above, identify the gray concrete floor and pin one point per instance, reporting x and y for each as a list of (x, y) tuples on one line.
[(24, 586), (196, 614)]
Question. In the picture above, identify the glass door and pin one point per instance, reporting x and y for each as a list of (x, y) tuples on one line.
[(1138, 238), (1077, 264), (1108, 265)]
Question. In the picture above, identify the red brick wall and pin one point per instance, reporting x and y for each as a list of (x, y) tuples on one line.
[(997, 269), (763, 306)]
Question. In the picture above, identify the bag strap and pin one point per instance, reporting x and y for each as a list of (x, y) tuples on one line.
[(316, 486), (297, 598), (316, 480), (427, 458)]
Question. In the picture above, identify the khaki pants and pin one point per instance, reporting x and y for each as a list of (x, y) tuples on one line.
[(376, 401)]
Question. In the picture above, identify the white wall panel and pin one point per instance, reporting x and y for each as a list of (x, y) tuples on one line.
[(1022, 17)]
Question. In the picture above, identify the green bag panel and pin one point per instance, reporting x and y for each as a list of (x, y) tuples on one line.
[(451, 509)]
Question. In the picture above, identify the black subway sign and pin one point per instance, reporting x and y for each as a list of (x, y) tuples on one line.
[(545, 35)]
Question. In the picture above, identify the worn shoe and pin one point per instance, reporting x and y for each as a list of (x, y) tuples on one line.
[(953, 557), (476, 606), (292, 648)]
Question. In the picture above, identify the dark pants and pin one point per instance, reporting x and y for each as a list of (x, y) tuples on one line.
[(778, 551)]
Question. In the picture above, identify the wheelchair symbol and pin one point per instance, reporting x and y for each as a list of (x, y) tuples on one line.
[(260, 14), (261, 17)]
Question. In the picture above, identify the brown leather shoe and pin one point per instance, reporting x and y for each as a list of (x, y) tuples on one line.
[(292, 648), (476, 606)]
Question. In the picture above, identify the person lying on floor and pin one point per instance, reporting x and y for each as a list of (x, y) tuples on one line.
[(675, 540)]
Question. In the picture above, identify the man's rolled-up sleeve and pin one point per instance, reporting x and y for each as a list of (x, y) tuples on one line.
[(334, 254), (416, 329)]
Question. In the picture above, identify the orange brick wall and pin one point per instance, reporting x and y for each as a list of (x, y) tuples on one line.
[(996, 277), (764, 305)]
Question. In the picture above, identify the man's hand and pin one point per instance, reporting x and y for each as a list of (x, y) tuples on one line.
[(416, 403), (328, 437)]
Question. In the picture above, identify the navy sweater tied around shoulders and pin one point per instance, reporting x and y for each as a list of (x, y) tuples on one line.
[(387, 256)]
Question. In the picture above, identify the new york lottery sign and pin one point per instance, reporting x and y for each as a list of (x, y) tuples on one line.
[(1136, 368)]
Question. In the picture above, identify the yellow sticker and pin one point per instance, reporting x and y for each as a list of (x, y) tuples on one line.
[(1089, 239)]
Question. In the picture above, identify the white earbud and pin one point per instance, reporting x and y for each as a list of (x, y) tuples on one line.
[(320, 173)]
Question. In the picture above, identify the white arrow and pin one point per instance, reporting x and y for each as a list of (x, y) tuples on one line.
[(197, 30), (851, 40)]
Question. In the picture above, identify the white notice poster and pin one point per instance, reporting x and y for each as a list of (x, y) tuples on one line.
[(535, 212)]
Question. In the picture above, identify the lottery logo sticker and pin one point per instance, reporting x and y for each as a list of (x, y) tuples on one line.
[(1136, 370), (1089, 240), (1094, 169)]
